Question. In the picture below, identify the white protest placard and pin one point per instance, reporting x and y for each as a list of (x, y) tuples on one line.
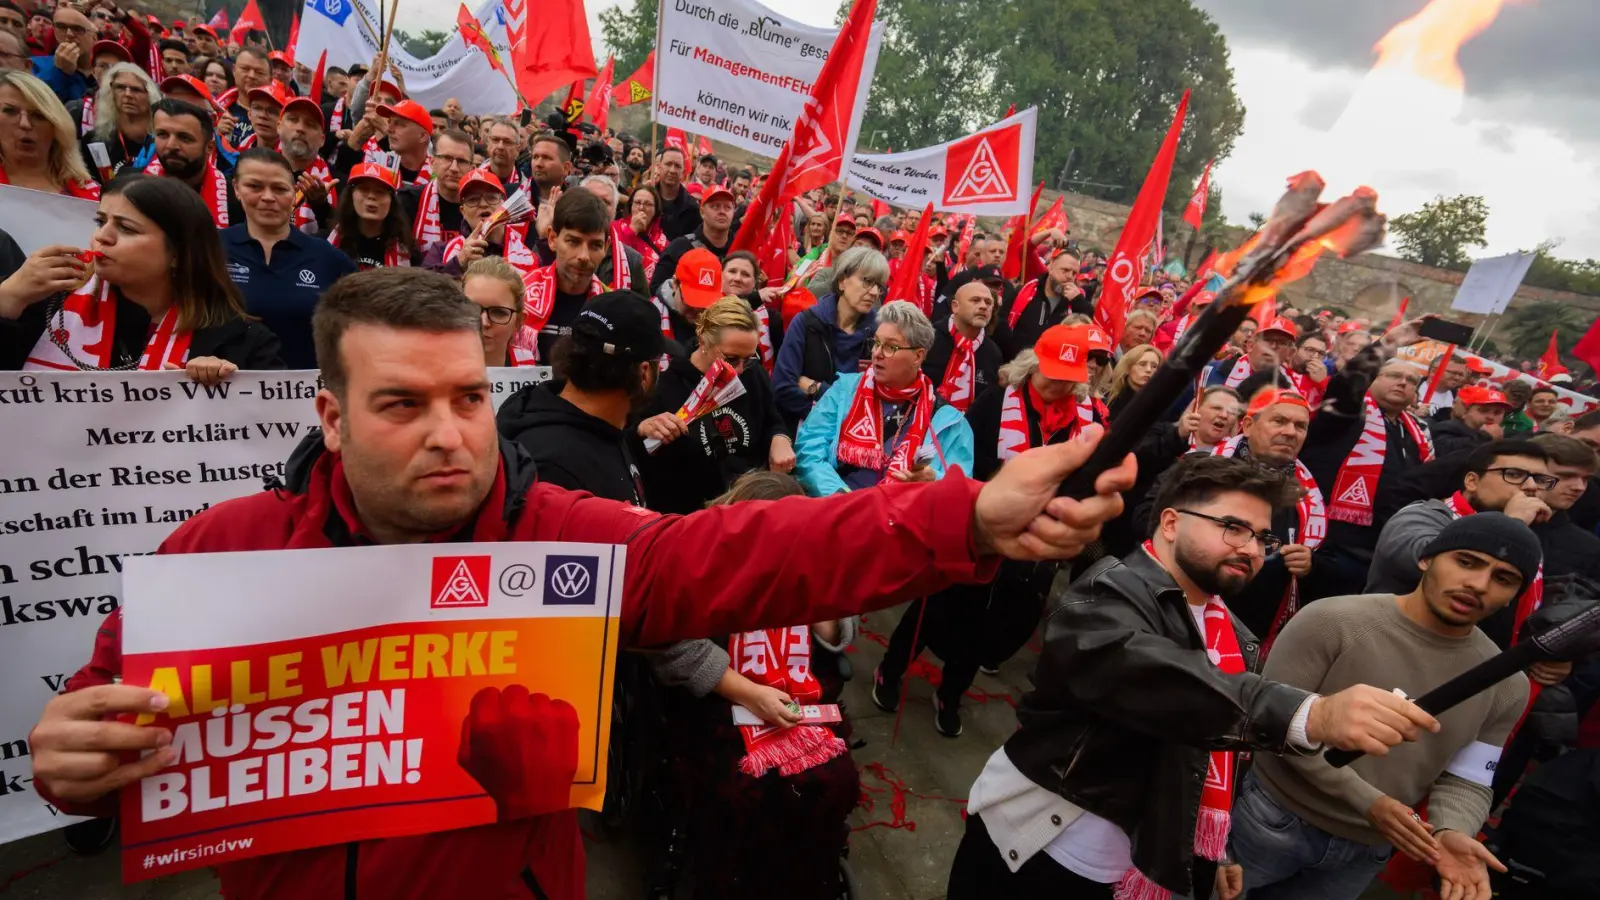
[(102, 466), (348, 30), (1491, 283), (36, 219), (740, 73), (989, 173)]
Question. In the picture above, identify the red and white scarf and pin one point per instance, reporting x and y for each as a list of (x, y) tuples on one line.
[(518, 357), (925, 284), (764, 337), (961, 372), (227, 99), (1357, 481), (215, 192), (514, 251), (87, 189), (1216, 794), (1015, 435), (87, 325), (336, 118), (305, 218), (1305, 387), (1237, 375), (1024, 297), (1313, 529), (392, 256), (541, 302), (781, 658), (86, 117), (621, 273), (861, 433), (428, 229)]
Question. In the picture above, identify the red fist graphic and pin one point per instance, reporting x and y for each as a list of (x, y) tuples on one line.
[(523, 749)]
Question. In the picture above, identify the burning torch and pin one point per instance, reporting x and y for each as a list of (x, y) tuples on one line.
[(1300, 229)]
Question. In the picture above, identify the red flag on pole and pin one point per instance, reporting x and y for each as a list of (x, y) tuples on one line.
[(1399, 314), (1550, 363), (774, 254), (702, 146), (219, 22), (294, 37), (1206, 266), (555, 53), (598, 106), (316, 78), (814, 156), (472, 33), (1195, 213), (249, 20), (676, 138), (638, 87), (572, 107), (1125, 267), (1018, 245), (1010, 111), (903, 284), (1588, 346)]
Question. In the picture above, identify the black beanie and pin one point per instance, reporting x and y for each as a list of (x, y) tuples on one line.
[(1495, 534)]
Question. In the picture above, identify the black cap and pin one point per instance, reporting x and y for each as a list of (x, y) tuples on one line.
[(1495, 534), (621, 323), (987, 274), (356, 70)]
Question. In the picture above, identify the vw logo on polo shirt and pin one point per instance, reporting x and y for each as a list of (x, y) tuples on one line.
[(239, 272), (308, 278)]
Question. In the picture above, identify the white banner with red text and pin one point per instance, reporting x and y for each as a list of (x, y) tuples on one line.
[(740, 73), (989, 173), (1572, 403), (107, 465)]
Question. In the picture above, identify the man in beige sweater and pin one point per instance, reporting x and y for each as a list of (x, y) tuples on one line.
[(1303, 830)]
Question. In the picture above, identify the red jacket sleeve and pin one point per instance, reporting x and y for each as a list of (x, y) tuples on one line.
[(762, 564), (105, 664)]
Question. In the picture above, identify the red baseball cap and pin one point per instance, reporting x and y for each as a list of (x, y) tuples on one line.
[(1099, 340), (274, 91), (699, 276), (1203, 298), (481, 178), (309, 105), (278, 56), (845, 219), (717, 192), (1063, 352), (1283, 325), (380, 173), (1272, 396), (205, 30), (901, 236), (177, 24), (392, 89), (412, 112), (937, 231), (1476, 395), (111, 47), (877, 237), (187, 83), (1478, 367), (1350, 327)]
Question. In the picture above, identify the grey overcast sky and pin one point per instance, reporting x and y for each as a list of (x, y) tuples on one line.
[(1526, 137)]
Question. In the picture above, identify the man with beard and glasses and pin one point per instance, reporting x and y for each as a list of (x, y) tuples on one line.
[(1307, 829), (1144, 690), (1274, 431), (183, 138)]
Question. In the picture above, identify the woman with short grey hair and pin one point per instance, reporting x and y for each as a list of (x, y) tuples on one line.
[(914, 327), (830, 338)]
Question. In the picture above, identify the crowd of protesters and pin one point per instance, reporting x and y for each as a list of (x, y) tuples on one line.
[(1337, 515)]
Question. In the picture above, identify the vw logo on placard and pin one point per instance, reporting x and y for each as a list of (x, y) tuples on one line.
[(570, 580)]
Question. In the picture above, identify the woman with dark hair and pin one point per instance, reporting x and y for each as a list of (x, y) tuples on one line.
[(217, 75), (771, 794), (152, 292), (741, 275), (370, 226), (642, 229)]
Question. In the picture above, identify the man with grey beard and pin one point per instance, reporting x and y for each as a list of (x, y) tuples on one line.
[(300, 136)]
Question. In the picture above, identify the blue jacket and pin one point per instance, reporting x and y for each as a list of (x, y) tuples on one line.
[(816, 447), (67, 87), (816, 347)]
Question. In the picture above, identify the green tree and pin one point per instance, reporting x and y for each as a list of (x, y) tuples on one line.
[(1528, 331), (1440, 233), (421, 45), (630, 33), (1548, 271)]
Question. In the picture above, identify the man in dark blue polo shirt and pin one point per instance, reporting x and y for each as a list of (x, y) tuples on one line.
[(280, 269)]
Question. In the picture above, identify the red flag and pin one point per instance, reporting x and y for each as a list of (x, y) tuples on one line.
[(1018, 245), (472, 33), (598, 106), (294, 37), (1264, 312), (572, 107), (903, 286), (1125, 267), (219, 22), (1054, 218), (1550, 363), (774, 254), (702, 146), (557, 52), (676, 138), (814, 155), (879, 210), (1399, 314), (964, 240), (316, 79), (1010, 111), (249, 20), (638, 87), (1206, 265), (1196, 211), (1588, 346)]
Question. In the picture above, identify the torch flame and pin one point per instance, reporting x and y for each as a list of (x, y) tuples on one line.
[(1427, 44)]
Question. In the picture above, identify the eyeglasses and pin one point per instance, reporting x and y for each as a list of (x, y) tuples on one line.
[(499, 315), (1238, 535), (102, 15), (451, 162), (69, 29), (1412, 380), (482, 198), (10, 113), (886, 348), (1519, 477)]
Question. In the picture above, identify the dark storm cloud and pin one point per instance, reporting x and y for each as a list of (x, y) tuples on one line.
[(1533, 65)]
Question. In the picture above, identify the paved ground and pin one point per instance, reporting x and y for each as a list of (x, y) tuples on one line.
[(909, 862)]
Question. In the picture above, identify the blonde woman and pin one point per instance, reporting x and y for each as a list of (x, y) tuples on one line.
[(38, 143), (496, 286), (747, 433), (1130, 376), (122, 135)]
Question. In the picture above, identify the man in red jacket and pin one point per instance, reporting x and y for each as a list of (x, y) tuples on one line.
[(408, 454)]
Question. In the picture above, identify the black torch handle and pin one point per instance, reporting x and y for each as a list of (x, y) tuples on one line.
[(1473, 681), (1197, 348)]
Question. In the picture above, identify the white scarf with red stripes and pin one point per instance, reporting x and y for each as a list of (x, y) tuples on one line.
[(86, 117), (764, 337), (1015, 438), (428, 229), (961, 372), (305, 218), (215, 193), (82, 331), (541, 302)]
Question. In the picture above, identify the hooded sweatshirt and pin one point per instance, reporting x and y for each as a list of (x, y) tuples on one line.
[(816, 347), (571, 448)]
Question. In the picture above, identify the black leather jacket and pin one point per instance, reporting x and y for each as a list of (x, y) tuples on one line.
[(1127, 708)]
